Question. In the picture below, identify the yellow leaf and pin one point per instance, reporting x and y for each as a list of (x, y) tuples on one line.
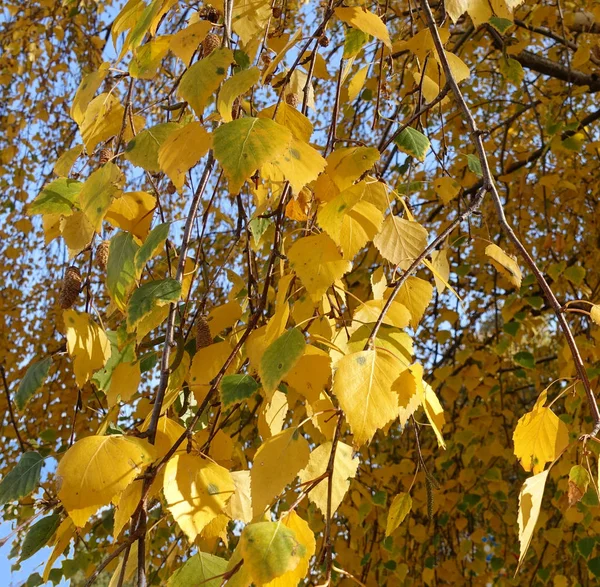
[(250, 18), (357, 83), (196, 491), (317, 262), (185, 43), (530, 501), (133, 212), (298, 124), (77, 231), (87, 345), (244, 145), (206, 364), (540, 436), (104, 119), (441, 268), (460, 70), (299, 163), (446, 188), (511, 268), (430, 402), (350, 221), (306, 538), (361, 19), (234, 87), (128, 503), (595, 313), (397, 315), (147, 58), (409, 400), (224, 316), (400, 508), (96, 470), (415, 294), (85, 92), (344, 166), (363, 386), (272, 415), (64, 534), (182, 149), (344, 469), (276, 464), (203, 78), (401, 241), (124, 383), (269, 550), (311, 374), (240, 504)]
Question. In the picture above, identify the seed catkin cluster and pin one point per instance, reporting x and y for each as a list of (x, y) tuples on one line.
[(292, 100), (210, 43), (203, 337), (70, 288), (102, 255), (105, 155)]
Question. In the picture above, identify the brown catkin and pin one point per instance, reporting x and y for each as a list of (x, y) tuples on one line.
[(105, 155), (210, 13), (203, 337), (324, 41), (276, 12), (210, 43), (171, 189), (292, 100), (70, 288), (102, 255)]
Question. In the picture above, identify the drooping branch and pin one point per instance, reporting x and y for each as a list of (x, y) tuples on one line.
[(489, 185)]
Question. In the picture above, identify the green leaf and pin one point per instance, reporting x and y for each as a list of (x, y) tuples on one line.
[(244, 145), (143, 149), (280, 357), (235, 388), (524, 359), (474, 165), (120, 270), (354, 41), (57, 197), (575, 274), (22, 479), (258, 227), (585, 546), (153, 243), (203, 79), (33, 379), (594, 566), (39, 534), (412, 142), (126, 354), (98, 191), (199, 569), (512, 70), (269, 550), (500, 24), (146, 297)]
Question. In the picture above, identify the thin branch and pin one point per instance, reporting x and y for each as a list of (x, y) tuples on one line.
[(11, 414), (490, 186)]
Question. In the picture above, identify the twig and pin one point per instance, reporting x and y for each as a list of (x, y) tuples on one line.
[(490, 186), (170, 331), (10, 410)]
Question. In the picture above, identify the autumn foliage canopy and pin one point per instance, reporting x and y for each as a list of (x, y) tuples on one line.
[(300, 292)]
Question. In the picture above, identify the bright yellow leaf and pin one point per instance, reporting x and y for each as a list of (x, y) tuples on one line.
[(196, 490), (87, 344), (96, 470)]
